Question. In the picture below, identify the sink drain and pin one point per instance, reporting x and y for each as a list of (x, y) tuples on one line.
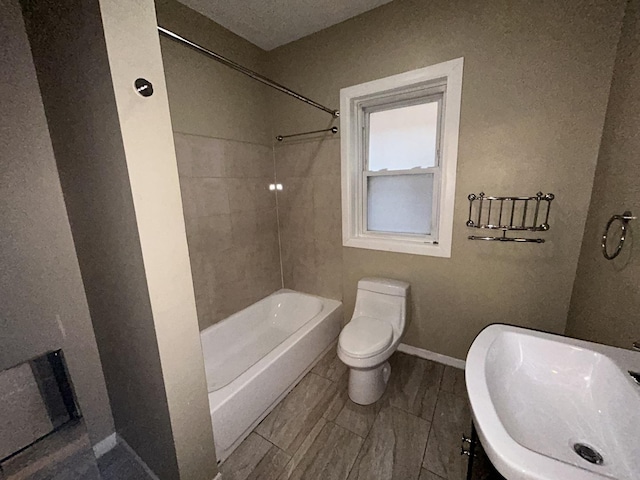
[(588, 453)]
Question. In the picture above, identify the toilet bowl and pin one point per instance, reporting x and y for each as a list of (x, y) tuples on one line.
[(372, 335)]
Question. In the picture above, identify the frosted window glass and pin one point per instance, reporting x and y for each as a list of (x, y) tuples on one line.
[(403, 138), (400, 203)]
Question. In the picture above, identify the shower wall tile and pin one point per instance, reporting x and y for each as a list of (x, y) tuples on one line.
[(232, 220), (184, 156), (202, 151), (310, 216), (231, 223)]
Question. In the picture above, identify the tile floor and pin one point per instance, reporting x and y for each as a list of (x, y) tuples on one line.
[(67, 455), (413, 433), (119, 464)]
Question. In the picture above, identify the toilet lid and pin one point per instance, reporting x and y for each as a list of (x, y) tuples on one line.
[(365, 336)]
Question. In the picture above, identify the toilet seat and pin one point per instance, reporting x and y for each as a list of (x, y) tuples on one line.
[(364, 337)]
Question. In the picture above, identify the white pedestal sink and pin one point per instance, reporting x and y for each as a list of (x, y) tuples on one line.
[(548, 407)]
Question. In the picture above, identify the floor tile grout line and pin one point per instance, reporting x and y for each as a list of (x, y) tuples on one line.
[(267, 440), (431, 421), (426, 445), (325, 377), (355, 460), (283, 468), (304, 439), (438, 390), (346, 428), (444, 367), (371, 429), (326, 423), (433, 414), (357, 455), (365, 438), (282, 450), (434, 473)]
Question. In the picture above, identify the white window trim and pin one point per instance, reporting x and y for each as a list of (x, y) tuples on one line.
[(351, 98)]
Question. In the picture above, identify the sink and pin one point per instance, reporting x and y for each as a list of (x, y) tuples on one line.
[(548, 407)]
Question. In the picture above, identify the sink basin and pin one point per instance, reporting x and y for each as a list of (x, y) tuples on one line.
[(548, 407)]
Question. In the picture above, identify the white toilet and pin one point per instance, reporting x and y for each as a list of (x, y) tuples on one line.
[(372, 335)]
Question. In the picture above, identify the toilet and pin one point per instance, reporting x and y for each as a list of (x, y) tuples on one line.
[(372, 335)]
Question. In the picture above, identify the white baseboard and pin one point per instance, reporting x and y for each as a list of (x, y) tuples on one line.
[(427, 355), (133, 453), (105, 445)]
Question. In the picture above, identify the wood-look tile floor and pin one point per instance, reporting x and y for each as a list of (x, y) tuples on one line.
[(67, 455), (412, 433)]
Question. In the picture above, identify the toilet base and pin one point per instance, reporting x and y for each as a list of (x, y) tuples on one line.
[(367, 386)]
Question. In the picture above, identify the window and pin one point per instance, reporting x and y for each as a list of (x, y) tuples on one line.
[(399, 155)]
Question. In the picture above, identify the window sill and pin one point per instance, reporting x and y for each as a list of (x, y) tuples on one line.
[(399, 246)]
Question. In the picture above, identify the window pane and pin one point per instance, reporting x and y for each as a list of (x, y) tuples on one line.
[(400, 203), (403, 138)]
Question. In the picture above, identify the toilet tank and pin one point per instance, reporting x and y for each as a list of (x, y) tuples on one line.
[(384, 299)]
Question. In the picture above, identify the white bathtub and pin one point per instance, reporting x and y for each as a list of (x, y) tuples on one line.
[(256, 356)]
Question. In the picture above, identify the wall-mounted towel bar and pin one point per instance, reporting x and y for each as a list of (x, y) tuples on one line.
[(333, 130), (509, 214)]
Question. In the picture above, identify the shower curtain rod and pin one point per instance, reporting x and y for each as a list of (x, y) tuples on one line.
[(246, 71)]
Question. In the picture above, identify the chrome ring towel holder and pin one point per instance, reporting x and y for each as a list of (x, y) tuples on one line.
[(624, 219)]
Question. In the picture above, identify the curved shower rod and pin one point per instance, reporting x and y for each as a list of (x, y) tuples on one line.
[(246, 71)]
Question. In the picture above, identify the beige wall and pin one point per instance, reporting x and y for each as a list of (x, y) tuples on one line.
[(222, 130), (23, 417), (205, 97), (231, 220), (309, 214), (153, 176), (116, 157), (605, 302), (87, 141), (535, 87), (42, 302)]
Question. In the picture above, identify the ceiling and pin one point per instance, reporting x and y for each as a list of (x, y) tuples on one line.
[(271, 23)]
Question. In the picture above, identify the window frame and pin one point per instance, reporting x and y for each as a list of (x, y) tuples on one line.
[(442, 81), (435, 95)]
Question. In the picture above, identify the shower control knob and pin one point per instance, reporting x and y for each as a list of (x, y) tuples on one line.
[(144, 87)]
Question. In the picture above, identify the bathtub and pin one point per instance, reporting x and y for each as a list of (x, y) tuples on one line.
[(256, 356)]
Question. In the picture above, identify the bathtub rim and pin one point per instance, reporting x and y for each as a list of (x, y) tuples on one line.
[(238, 315), (330, 317), (254, 370), (281, 290)]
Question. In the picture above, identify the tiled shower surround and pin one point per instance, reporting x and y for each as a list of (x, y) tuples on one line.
[(310, 216), (232, 220), (231, 223)]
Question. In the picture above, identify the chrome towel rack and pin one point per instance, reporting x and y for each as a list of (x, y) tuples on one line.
[(509, 214), (624, 220)]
